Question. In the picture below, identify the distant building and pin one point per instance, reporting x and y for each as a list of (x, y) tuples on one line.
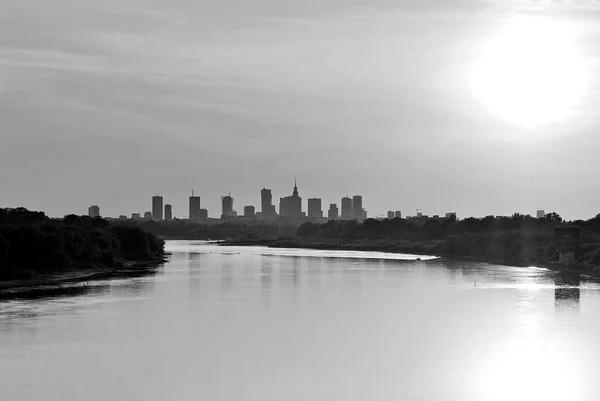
[(451, 215), (168, 212), (249, 211), (148, 216), (398, 214), (226, 206), (363, 214), (333, 212), (136, 216), (291, 206), (194, 208), (157, 207), (390, 214), (540, 214), (94, 211), (357, 209), (122, 217), (314, 208), (203, 213), (266, 203), (346, 208)]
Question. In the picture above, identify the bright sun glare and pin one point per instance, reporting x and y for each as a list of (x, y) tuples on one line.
[(531, 74)]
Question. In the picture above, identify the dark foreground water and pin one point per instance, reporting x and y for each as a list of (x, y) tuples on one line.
[(273, 324)]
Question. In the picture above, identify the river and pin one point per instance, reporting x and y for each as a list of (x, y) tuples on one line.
[(251, 323)]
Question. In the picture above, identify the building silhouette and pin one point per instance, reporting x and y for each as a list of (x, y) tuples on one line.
[(94, 211), (194, 208), (333, 213), (148, 216), (314, 208), (157, 207), (249, 211), (540, 214), (357, 209), (136, 216), (390, 214), (291, 205), (398, 214), (203, 214), (266, 204), (168, 212), (347, 208), (227, 207)]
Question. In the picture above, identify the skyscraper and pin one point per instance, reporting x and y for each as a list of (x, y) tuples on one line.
[(291, 205), (357, 209), (168, 212), (157, 207), (94, 211), (333, 213), (227, 206), (249, 211), (266, 203), (390, 214), (314, 208), (346, 208), (398, 214), (194, 208)]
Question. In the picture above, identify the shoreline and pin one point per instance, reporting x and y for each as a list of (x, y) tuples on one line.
[(132, 267), (279, 243)]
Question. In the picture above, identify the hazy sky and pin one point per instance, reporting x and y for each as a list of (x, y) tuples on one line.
[(110, 101)]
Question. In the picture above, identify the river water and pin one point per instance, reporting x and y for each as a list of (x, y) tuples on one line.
[(250, 323)]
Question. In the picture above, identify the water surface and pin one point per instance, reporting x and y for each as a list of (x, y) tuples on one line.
[(252, 323)]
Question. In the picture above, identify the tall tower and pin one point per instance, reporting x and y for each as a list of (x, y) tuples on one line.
[(357, 209), (194, 208), (157, 207), (295, 193), (227, 205), (346, 208)]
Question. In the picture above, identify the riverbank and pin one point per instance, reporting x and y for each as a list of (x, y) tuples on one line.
[(128, 268), (409, 248)]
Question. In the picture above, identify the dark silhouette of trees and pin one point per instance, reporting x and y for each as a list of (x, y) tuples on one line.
[(31, 243)]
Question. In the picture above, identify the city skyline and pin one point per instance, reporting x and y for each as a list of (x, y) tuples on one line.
[(380, 99)]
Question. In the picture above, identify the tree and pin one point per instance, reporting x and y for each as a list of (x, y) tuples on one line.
[(554, 218)]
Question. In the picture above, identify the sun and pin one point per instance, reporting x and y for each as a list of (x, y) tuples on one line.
[(531, 74)]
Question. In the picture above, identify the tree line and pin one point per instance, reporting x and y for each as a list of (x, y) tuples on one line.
[(31, 243)]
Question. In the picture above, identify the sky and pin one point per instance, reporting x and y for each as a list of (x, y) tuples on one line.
[(109, 102)]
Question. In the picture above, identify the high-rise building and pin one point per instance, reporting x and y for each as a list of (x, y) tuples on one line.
[(203, 214), (398, 214), (249, 211), (168, 212), (94, 211), (291, 205), (148, 216), (540, 214), (157, 207), (333, 213), (346, 208), (227, 206), (266, 204), (194, 215), (390, 214), (314, 208), (357, 209)]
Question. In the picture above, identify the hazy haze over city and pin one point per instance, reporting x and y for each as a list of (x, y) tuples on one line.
[(110, 102)]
